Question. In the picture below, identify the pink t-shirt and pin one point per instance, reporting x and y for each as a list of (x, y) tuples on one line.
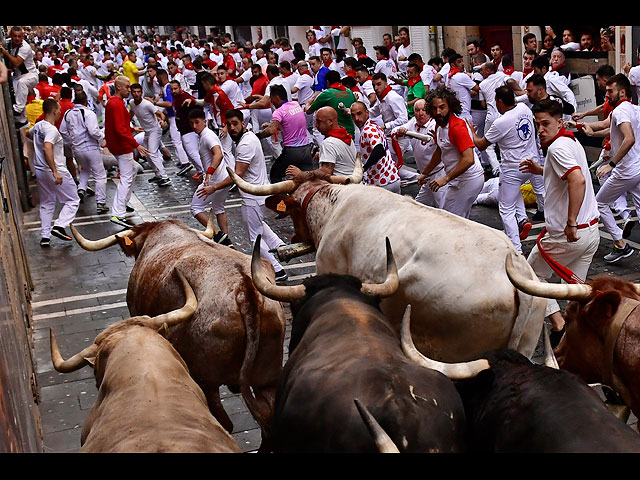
[(294, 124)]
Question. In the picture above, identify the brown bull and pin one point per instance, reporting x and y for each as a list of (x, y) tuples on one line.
[(236, 335), (602, 339), (147, 402)]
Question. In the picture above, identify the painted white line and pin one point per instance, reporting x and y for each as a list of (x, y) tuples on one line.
[(299, 265), (76, 298), (45, 316)]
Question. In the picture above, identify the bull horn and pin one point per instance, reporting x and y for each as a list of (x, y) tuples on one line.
[(549, 358), (560, 291), (354, 178), (286, 186), (264, 286), (180, 315), (95, 245), (455, 371), (74, 363), (390, 284), (210, 230), (380, 437)]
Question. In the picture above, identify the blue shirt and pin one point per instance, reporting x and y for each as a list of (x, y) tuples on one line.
[(167, 97), (320, 84)]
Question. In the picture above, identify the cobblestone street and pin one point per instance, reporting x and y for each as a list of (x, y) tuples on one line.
[(79, 293)]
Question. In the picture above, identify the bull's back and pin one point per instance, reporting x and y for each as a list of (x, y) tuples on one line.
[(451, 270), (147, 402)]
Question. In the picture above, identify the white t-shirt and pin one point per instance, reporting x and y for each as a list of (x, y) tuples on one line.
[(343, 156), (422, 150), (25, 52), (634, 78), (145, 112), (629, 165), (43, 132), (563, 155), (304, 84), (452, 141), (249, 150), (514, 132), (232, 89), (462, 84), (488, 88), (207, 140)]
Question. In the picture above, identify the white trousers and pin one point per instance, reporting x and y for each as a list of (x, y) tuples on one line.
[(612, 189), (91, 164), (510, 201), (153, 141), (620, 204), (461, 194), (128, 172), (50, 193), (21, 86), (576, 256), (215, 200), (253, 216), (190, 143), (176, 139), (427, 196)]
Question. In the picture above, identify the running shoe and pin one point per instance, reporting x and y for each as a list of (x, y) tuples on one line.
[(524, 227), (628, 226), (164, 182), (281, 276), (102, 208), (45, 242), (618, 253), (184, 170), (222, 238), (154, 179), (61, 234), (120, 221)]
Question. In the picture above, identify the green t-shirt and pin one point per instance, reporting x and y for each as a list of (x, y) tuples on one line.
[(332, 97), (417, 90)]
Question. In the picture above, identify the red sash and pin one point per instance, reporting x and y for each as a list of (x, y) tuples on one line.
[(563, 272)]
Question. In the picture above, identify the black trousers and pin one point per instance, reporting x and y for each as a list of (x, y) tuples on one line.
[(298, 156)]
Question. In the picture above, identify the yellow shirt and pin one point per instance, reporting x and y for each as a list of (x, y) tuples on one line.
[(33, 111), (129, 70)]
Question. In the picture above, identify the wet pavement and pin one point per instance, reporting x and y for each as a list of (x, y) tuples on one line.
[(79, 293)]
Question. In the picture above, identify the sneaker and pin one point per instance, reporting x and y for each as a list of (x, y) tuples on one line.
[(618, 253), (164, 182), (628, 226), (81, 194), (91, 192), (102, 208), (154, 179), (538, 216), (198, 176), (45, 242), (120, 221), (130, 209), (184, 170), (281, 276), (61, 234), (222, 238), (524, 227)]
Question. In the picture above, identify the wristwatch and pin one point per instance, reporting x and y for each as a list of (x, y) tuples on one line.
[(612, 164)]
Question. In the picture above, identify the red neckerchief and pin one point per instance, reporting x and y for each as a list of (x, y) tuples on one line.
[(453, 71), (285, 75), (362, 55), (338, 86), (341, 134), (497, 62), (412, 81), (356, 89), (562, 133), (351, 73), (313, 43), (75, 77), (384, 93), (315, 27), (558, 67), (527, 71), (619, 102), (509, 70), (307, 72), (405, 45), (328, 63)]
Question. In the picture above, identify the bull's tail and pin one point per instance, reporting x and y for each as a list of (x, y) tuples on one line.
[(251, 305), (528, 321)]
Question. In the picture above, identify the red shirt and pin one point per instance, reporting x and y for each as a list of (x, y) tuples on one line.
[(47, 91), (259, 85), (117, 128), (65, 104), (220, 102), (210, 63), (53, 69), (230, 63)]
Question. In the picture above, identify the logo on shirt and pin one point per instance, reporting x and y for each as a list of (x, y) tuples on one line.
[(524, 127)]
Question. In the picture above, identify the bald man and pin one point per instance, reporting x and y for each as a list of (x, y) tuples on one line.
[(120, 142), (337, 154)]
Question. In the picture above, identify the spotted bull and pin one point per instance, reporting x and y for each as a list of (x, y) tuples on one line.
[(451, 269), (236, 335), (343, 348), (147, 402), (602, 339)]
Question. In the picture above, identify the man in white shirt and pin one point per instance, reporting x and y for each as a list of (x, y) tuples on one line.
[(624, 163), (55, 183), (387, 67), (25, 74), (462, 84), (554, 85), (251, 166), (80, 129), (404, 50), (571, 236), (149, 116), (303, 88), (514, 132)]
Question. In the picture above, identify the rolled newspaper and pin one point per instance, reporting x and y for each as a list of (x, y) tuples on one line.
[(419, 136)]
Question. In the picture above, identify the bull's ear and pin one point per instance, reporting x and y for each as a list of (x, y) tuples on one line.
[(600, 310), (91, 361), (281, 204), (164, 330), (128, 246)]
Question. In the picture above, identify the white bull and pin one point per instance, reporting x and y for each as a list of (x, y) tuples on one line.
[(452, 270)]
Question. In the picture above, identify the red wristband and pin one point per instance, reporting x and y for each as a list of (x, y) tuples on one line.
[(210, 170)]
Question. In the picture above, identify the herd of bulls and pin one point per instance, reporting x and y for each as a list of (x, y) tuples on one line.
[(414, 336)]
